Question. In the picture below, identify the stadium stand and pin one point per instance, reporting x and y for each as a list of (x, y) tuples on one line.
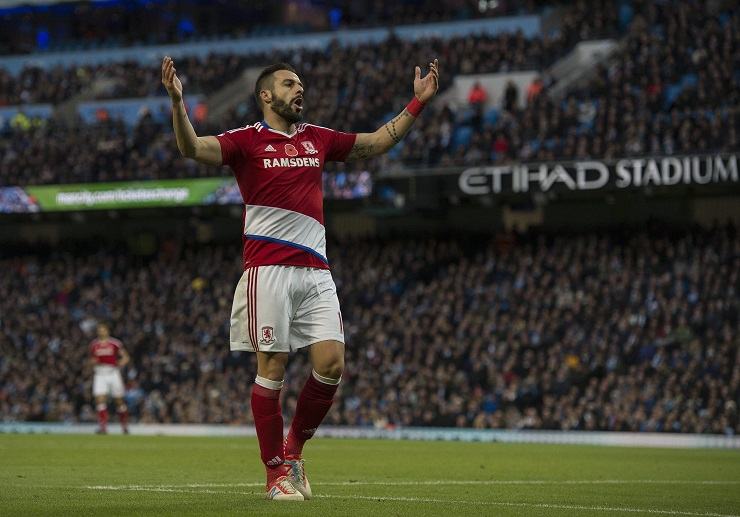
[(672, 89), (79, 25), (614, 114), (334, 99), (609, 331), (340, 101)]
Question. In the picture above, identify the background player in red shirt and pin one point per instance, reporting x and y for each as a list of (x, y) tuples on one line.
[(286, 298), (108, 356)]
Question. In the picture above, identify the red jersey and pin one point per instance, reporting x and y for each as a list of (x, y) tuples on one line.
[(279, 176), (105, 352)]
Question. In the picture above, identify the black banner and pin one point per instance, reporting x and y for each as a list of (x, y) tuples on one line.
[(592, 175)]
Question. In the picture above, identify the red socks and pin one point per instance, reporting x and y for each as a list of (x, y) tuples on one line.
[(102, 416), (123, 417), (313, 404), (268, 420)]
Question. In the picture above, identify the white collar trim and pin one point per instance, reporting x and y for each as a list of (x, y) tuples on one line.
[(283, 133)]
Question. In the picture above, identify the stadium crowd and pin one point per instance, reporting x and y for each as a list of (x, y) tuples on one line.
[(673, 88), (339, 81), (76, 25), (66, 154), (629, 331), (663, 93)]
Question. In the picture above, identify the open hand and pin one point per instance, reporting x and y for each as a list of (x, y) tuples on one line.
[(170, 79), (426, 87)]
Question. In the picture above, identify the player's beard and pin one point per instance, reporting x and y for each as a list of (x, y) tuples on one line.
[(285, 110)]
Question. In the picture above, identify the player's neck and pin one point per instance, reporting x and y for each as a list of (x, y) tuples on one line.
[(278, 123)]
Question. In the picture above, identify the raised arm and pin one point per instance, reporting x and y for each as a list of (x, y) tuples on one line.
[(204, 149), (390, 133)]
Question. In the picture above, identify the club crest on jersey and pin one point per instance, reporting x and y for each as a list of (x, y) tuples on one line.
[(309, 148), (290, 150), (268, 336)]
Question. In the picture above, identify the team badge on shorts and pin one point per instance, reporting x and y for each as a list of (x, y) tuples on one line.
[(290, 150), (268, 336), (309, 148)]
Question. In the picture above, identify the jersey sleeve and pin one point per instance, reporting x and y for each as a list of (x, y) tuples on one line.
[(234, 145), (337, 144)]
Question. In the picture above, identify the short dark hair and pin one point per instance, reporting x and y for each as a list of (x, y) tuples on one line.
[(266, 75)]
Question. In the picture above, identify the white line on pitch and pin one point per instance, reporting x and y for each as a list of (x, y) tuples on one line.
[(654, 511), (531, 505), (442, 482)]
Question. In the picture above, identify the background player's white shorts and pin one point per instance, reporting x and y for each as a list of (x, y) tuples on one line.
[(284, 308), (107, 381)]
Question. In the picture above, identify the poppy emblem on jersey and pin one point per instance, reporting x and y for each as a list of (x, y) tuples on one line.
[(308, 146), (268, 336), (290, 150)]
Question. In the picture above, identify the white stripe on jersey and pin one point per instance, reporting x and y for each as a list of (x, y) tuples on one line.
[(253, 126), (286, 226)]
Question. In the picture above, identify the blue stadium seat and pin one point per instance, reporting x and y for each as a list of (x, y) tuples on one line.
[(465, 116), (462, 137), (491, 116), (688, 81)]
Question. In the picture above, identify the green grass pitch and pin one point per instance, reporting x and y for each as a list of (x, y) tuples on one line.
[(136, 475)]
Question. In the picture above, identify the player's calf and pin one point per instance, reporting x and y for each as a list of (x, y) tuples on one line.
[(122, 411), (102, 409)]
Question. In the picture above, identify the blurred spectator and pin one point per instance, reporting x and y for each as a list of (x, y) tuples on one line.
[(511, 96), (478, 96), (534, 89)]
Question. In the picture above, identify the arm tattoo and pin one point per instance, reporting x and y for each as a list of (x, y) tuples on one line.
[(392, 131), (361, 151), (390, 126)]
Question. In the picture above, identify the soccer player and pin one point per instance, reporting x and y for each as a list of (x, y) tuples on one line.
[(286, 298), (108, 356)]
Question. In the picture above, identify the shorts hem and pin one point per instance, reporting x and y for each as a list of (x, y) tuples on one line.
[(317, 339), (247, 347)]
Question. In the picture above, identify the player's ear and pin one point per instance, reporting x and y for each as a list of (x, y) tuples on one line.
[(266, 96)]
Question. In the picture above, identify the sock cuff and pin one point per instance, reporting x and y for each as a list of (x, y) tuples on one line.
[(101, 407), (326, 380), (269, 384)]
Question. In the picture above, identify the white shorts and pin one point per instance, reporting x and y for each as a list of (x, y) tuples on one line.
[(107, 381), (284, 308)]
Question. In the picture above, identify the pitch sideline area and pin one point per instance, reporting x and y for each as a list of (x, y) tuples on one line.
[(157, 475), (449, 434)]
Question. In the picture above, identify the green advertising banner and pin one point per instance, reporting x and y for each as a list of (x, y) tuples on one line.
[(157, 193), (135, 194)]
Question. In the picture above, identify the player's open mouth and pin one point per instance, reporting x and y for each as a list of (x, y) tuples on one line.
[(298, 103)]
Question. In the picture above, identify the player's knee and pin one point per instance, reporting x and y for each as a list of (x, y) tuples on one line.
[(332, 368), (272, 366)]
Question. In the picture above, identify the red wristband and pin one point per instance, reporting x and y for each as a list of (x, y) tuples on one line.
[(415, 107)]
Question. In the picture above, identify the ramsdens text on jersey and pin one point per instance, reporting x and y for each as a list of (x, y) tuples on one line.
[(291, 162)]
